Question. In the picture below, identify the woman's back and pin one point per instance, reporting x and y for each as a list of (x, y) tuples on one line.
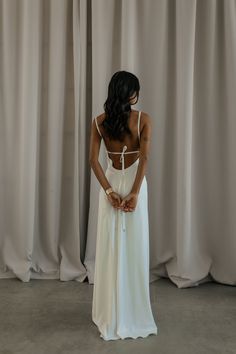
[(115, 147)]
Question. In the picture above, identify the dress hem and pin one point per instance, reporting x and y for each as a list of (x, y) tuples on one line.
[(132, 334)]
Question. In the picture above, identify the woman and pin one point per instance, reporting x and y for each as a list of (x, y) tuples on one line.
[(121, 301)]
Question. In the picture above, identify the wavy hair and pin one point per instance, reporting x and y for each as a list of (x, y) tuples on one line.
[(122, 86)]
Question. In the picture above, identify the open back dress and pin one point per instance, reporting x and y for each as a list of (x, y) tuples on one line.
[(121, 305)]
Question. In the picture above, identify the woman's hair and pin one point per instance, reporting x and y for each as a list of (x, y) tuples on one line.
[(122, 86)]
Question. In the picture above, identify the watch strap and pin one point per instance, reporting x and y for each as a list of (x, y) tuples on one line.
[(109, 190)]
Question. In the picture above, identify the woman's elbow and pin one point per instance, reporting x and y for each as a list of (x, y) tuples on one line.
[(93, 161)]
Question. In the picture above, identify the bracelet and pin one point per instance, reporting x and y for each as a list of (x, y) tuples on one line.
[(109, 190)]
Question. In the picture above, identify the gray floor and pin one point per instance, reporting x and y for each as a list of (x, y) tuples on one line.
[(49, 316)]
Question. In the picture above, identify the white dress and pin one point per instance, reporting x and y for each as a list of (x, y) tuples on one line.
[(121, 305)]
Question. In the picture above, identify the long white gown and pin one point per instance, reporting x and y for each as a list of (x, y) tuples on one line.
[(121, 305)]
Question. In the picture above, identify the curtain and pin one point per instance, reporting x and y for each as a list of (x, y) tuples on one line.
[(56, 60), (43, 193)]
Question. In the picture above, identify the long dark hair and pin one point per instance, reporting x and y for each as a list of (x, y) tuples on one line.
[(122, 86)]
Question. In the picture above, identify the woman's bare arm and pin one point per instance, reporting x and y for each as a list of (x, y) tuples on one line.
[(95, 142), (145, 138)]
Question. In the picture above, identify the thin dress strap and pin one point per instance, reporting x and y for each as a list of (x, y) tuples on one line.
[(139, 114), (97, 127)]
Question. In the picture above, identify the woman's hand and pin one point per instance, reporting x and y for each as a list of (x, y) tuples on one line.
[(115, 199), (129, 202)]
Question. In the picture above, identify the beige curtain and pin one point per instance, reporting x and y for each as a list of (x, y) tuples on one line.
[(44, 168), (56, 60)]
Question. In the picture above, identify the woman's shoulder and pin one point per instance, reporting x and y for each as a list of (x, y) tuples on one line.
[(145, 115), (145, 119), (100, 118)]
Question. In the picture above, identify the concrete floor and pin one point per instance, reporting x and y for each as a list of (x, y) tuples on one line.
[(49, 316)]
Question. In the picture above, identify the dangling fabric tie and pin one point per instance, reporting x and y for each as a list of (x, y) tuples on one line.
[(122, 160)]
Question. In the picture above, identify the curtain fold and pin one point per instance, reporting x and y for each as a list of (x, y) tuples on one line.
[(56, 60)]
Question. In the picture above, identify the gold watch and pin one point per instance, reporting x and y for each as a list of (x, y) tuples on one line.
[(109, 190)]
